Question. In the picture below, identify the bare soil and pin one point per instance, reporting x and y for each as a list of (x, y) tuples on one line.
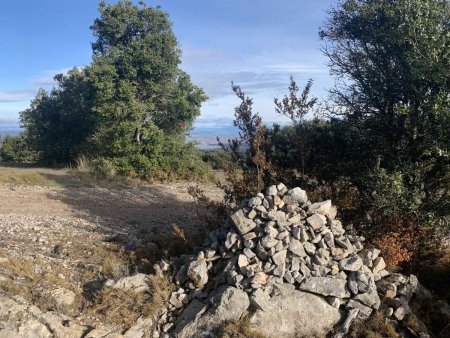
[(65, 229)]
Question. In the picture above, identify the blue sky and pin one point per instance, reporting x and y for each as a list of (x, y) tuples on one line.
[(257, 44)]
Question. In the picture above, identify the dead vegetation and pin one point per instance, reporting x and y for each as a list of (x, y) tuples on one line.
[(377, 326), (122, 308), (238, 329)]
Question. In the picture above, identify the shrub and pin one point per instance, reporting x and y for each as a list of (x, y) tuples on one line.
[(16, 149)]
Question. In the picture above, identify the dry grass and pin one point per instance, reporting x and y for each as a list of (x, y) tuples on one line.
[(66, 177), (375, 327), (123, 308), (238, 329), (29, 279), (427, 312)]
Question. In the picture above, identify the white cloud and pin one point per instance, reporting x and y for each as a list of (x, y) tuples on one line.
[(297, 68), (15, 95), (47, 77)]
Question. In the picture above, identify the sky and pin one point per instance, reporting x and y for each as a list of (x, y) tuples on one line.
[(257, 44)]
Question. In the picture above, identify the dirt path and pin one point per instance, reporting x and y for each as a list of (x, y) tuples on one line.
[(61, 235)]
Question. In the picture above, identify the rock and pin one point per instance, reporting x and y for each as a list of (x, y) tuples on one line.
[(259, 278), (280, 257), (298, 195), (309, 248), (369, 299), (297, 248), (378, 265), (316, 221), (324, 208), (402, 311), (63, 296), (268, 242), (334, 302), (254, 201), (296, 314), (326, 286), (272, 190), (352, 263), (202, 320), (231, 239), (386, 288), (197, 272), (364, 311), (242, 262), (136, 283), (241, 222), (19, 319), (260, 300)]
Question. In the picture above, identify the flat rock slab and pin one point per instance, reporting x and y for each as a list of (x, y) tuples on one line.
[(202, 320), (326, 286), (295, 314)]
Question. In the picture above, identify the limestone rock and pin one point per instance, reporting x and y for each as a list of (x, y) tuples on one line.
[(298, 195), (296, 314), (136, 283), (326, 286), (324, 208), (241, 222), (197, 272), (352, 263), (200, 320), (316, 221)]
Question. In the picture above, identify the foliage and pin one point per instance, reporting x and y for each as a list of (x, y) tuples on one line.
[(16, 149), (391, 61), (130, 108), (249, 169), (59, 123)]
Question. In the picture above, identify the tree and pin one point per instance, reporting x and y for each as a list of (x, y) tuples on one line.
[(130, 108), (59, 123), (391, 60), (139, 86)]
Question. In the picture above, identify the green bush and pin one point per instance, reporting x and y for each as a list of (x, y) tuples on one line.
[(16, 149)]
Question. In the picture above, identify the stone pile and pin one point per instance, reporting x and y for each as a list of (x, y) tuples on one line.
[(276, 243)]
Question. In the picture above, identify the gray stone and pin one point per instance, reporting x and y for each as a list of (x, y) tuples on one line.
[(280, 257), (241, 222), (65, 297), (352, 263), (254, 201), (231, 239), (260, 300), (309, 248), (316, 221), (272, 190), (136, 283), (259, 278), (334, 302), (364, 311), (197, 272), (268, 242), (296, 314), (249, 253), (370, 299), (201, 320), (378, 265), (298, 195), (297, 248), (324, 208), (296, 232), (336, 227), (326, 286)]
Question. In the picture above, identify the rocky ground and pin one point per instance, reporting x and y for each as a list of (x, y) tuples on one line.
[(58, 243), (82, 258)]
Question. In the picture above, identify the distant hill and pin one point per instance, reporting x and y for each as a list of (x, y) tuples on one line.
[(9, 128)]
